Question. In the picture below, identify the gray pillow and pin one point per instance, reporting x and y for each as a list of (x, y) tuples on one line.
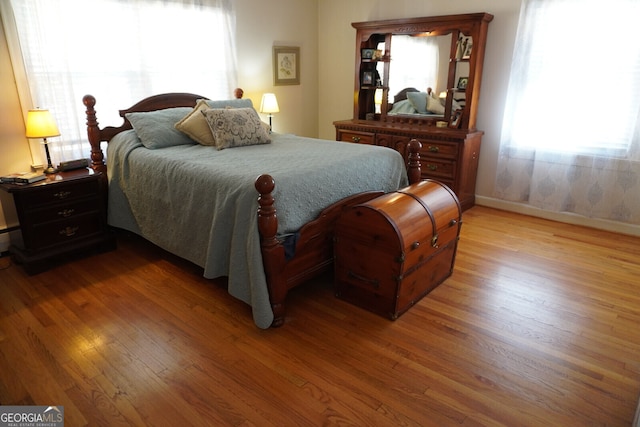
[(419, 101), (229, 103), (156, 129)]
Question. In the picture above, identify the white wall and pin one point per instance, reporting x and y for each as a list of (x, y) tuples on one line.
[(263, 24), (14, 147)]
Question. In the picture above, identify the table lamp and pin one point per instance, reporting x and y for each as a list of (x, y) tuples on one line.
[(40, 124), (269, 105)]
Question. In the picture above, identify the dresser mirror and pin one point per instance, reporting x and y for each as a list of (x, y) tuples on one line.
[(419, 74), (420, 70)]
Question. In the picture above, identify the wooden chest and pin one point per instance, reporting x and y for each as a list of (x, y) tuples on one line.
[(391, 251)]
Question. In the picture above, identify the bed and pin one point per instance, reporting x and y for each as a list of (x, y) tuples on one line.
[(221, 208), (410, 101)]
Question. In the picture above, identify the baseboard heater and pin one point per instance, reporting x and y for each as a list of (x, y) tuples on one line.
[(9, 229)]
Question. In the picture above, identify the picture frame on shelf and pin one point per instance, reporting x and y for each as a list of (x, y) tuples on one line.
[(367, 53), (286, 65), (367, 78), (462, 83), (468, 48), (456, 119)]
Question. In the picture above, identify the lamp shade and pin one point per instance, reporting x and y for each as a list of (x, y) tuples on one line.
[(377, 97), (269, 104), (40, 124)]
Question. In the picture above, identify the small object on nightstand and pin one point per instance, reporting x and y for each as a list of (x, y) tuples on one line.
[(22, 178), (73, 164)]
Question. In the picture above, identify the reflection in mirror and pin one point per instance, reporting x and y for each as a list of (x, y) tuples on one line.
[(418, 63)]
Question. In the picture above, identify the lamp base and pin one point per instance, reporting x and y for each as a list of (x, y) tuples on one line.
[(50, 170)]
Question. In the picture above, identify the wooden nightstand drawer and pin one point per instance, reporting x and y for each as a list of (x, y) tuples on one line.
[(63, 192), (54, 233), (73, 208)]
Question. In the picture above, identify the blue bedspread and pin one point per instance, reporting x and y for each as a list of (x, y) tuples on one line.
[(200, 203)]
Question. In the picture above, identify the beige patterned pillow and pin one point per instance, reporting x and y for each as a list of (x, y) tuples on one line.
[(195, 126), (236, 127)]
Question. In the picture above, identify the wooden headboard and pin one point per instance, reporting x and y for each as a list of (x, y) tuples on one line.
[(97, 135), (402, 95)]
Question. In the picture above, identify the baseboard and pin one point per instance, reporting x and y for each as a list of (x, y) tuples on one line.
[(4, 243), (565, 217)]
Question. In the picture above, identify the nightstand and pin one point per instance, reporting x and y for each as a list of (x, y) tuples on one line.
[(52, 219)]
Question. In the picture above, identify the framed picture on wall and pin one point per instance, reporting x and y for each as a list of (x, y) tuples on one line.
[(286, 65)]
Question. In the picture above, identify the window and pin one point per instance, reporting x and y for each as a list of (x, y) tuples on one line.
[(570, 138), (575, 78), (120, 52)]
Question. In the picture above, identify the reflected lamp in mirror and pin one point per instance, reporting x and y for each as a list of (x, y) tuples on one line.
[(269, 105), (40, 124), (377, 100)]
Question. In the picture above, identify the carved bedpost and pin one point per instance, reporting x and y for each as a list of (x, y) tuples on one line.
[(267, 218), (93, 132), (273, 257), (414, 172)]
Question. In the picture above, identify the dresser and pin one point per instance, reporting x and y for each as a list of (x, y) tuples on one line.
[(447, 155), (56, 218), (421, 78)]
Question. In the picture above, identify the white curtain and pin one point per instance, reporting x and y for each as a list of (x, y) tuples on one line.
[(119, 51), (571, 136)]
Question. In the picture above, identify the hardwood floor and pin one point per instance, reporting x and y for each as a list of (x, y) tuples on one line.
[(538, 326)]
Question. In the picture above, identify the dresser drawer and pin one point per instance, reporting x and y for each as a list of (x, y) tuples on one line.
[(357, 137), (60, 193), (438, 169), (438, 149), (63, 231)]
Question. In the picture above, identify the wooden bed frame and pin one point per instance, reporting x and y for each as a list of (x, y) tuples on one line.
[(314, 247)]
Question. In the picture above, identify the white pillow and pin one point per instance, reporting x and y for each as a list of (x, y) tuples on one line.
[(195, 125), (434, 105)]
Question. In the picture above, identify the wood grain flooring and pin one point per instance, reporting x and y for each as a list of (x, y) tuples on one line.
[(538, 326)]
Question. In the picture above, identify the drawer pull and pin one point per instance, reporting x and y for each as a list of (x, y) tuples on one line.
[(66, 213), (68, 231), (355, 138), (415, 245), (432, 167), (62, 194), (373, 282), (434, 241), (434, 148)]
